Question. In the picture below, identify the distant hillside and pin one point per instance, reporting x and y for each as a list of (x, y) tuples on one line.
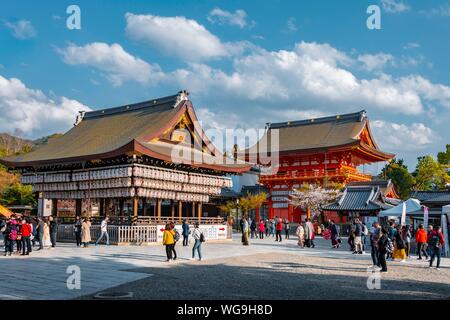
[(11, 145)]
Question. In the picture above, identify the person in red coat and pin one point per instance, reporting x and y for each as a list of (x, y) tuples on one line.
[(421, 242), (26, 234), (261, 229), (436, 242), (279, 228)]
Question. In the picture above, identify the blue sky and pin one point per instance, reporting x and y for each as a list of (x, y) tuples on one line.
[(244, 63)]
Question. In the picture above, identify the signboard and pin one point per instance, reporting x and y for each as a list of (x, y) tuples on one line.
[(211, 231)]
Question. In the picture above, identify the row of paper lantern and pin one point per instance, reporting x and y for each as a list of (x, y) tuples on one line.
[(108, 193), (46, 177), (160, 174), (121, 172), (201, 189), (176, 176), (105, 184), (158, 184), (68, 186), (123, 183), (209, 180), (192, 197)]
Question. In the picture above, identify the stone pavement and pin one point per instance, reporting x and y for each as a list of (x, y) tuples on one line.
[(102, 267)]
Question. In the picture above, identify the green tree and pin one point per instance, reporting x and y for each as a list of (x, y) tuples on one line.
[(430, 174), (398, 173), (444, 157), (18, 194)]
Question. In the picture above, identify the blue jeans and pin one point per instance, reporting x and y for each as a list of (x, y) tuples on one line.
[(101, 237), (197, 246)]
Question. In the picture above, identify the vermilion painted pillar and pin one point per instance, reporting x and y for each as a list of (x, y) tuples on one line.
[(257, 214), (290, 212), (270, 209)]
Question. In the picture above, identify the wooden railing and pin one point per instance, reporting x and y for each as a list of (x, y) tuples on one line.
[(151, 220), (117, 234)]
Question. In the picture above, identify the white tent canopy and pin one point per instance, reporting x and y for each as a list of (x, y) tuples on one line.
[(412, 206), (446, 209)]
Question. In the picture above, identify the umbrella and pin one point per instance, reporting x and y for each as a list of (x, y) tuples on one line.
[(5, 212)]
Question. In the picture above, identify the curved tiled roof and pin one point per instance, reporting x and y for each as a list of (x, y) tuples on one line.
[(123, 130)]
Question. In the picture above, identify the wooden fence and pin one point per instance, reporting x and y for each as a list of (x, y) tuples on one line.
[(138, 235)]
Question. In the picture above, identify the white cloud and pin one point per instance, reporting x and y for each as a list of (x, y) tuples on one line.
[(403, 137), (411, 45), (221, 17), (116, 64), (311, 75), (178, 36), (394, 6), (442, 10), (31, 112), (21, 29), (377, 61), (291, 24)]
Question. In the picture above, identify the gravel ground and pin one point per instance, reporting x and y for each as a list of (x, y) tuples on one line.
[(284, 276)]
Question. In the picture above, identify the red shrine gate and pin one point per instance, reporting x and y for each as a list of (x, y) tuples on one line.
[(318, 151)]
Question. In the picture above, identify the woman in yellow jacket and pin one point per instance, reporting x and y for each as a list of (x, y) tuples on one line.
[(168, 241)]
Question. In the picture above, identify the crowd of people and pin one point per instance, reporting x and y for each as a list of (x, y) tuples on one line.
[(264, 228), (21, 234), (390, 242)]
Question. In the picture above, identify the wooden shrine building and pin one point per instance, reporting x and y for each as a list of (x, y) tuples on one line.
[(318, 151), (149, 161)]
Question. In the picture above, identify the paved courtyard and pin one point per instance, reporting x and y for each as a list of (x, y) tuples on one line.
[(264, 270)]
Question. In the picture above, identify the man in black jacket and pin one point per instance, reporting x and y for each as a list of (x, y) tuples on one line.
[(53, 230)]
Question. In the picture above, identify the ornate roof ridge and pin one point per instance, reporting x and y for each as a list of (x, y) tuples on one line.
[(168, 101), (348, 117)]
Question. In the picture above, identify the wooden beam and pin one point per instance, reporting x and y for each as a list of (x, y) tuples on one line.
[(172, 203), (193, 209), (199, 211), (158, 209), (180, 211), (135, 206)]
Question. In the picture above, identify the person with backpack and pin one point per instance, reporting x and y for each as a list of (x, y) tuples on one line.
[(435, 242), (384, 246), (168, 241), (391, 233), (199, 239), (185, 233), (358, 240), (10, 234), (176, 238), (421, 242)]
